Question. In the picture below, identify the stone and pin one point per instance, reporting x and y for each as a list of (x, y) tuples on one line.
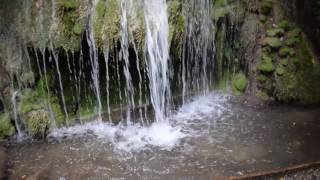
[(3, 160), (272, 42), (284, 24), (239, 82), (280, 71), (266, 66), (275, 32), (38, 123), (6, 128), (285, 51)]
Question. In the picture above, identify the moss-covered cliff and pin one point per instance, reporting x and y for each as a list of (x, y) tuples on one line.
[(260, 48)]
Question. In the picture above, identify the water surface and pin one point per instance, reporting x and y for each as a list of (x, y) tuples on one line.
[(211, 136)]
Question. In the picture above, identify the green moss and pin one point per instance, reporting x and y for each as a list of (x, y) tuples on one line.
[(261, 78), (292, 41), (266, 66), (112, 21), (266, 6), (176, 27), (284, 62), (263, 18), (284, 24), (239, 83), (220, 3), (275, 32), (78, 29), (280, 71), (40, 99), (38, 123), (70, 24), (68, 4), (272, 42), (98, 24), (6, 128), (262, 95), (286, 51), (294, 33)]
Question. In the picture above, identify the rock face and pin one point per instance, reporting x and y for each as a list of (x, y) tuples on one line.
[(3, 161), (258, 47)]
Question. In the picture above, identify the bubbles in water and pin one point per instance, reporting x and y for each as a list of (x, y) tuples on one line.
[(191, 120)]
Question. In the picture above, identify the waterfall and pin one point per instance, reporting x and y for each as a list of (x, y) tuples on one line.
[(106, 59), (198, 48), (124, 56), (56, 60), (93, 51), (157, 54), (15, 113)]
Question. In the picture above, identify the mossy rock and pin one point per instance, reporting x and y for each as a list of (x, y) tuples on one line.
[(262, 95), (286, 51), (273, 42), (68, 4), (292, 41), (294, 33), (262, 78), (38, 123), (263, 18), (275, 32), (239, 83), (266, 66), (266, 6), (78, 29), (284, 62), (280, 70), (6, 128), (284, 25)]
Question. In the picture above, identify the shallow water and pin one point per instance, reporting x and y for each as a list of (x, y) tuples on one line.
[(211, 136)]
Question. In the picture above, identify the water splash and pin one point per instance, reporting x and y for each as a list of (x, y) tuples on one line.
[(157, 54), (161, 135)]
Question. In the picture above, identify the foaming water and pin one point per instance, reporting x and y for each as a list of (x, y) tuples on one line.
[(163, 135), (211, 136)]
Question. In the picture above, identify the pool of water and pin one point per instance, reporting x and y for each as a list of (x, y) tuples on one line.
[(211, 136)]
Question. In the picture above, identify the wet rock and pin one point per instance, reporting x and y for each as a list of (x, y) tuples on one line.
[(43, 174), (272, 42), (38, 123), (3, 160), (239, 83)]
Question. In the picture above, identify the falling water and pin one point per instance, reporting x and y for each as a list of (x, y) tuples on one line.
[(140, 77), (15, 113), (124, 55), (106, 59), (56, 60), (157, 30), (197, 48), (94, 59), (47, 101)]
